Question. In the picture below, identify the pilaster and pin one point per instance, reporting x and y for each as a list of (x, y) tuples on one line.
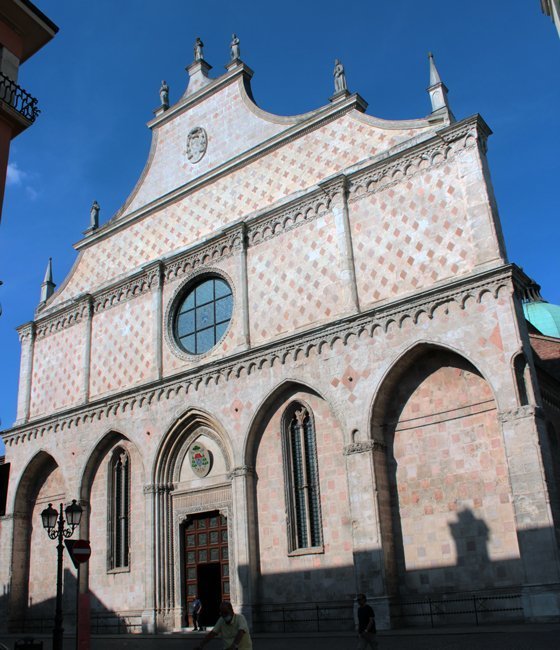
[(27, 339), (534, 525), (337, 191), (366, 512), (155, 279), (87, 347), (479, 197), (244, 289), (245, 534)]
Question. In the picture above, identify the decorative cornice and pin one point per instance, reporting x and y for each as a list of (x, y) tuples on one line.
[(271, 223), (527, 411), (26, 332), (363, 447), (73, 314), (417, 159), (318, 340), (225, 244)]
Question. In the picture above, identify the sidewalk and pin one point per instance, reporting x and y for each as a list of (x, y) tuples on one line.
[(499, 637)]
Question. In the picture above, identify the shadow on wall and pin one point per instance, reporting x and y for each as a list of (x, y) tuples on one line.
[(329, 593), (39, 616)]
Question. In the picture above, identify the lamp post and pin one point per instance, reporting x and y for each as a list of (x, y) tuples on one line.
[(53, 523)]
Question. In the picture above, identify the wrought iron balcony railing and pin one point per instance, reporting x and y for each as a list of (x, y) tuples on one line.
[(16, 97)]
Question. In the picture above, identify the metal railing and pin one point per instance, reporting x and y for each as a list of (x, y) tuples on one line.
[(128, 622), (19, 99), (119, 623), (458, 609), (303, 617)]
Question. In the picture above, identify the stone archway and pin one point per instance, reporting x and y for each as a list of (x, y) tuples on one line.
[(33, 582), (179, 496), (449, 525)]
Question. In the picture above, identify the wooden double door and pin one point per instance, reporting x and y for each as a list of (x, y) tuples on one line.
[(206, 563)]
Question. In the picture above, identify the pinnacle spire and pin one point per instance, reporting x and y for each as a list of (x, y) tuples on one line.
[(434, 74), (438, 95), (47, 288)]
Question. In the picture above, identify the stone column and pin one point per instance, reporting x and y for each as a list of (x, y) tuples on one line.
[(155, 281), (245, 538), (533, 519), (244, 287), (27, 339), (149, 613), (367, 506), (337, 191), (164, 565), (88, 313)]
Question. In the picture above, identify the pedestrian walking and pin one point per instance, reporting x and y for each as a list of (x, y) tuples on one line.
[(366, 625), (196, 609)]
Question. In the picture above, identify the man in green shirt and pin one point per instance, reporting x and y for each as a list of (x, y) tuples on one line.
[(232, 628)]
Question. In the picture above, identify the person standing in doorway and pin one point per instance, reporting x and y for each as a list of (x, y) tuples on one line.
[(366, 625), (196, 609), (232, 628)]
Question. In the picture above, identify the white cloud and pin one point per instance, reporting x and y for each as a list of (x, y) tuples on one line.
[(32, 193), (15, 175)]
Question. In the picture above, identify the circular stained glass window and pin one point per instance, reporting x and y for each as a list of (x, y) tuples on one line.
[(203, 315)]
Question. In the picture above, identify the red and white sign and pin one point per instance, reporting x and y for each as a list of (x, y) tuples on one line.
[(79, 550)]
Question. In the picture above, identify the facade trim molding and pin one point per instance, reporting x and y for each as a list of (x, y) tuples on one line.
[(270, 223), (319, 339)]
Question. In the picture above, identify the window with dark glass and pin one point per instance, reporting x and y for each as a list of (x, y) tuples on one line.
[(302, 479), (120, 510), (203, 315)]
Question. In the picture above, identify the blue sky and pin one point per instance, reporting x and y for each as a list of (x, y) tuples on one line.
[(97, 83)]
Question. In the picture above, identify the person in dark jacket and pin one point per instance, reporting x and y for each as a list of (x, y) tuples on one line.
[(366, 625)]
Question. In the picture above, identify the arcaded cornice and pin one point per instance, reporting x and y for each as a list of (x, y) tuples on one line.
[(287, 350)]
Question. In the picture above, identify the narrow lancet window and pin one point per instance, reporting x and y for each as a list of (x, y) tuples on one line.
[(120, 510), (302, 479)]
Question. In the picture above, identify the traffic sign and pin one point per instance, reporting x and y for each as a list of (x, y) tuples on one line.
[(79, 550)]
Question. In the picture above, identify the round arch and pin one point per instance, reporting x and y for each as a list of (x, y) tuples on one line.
[(397, 369), (42, 472), (443, 472)]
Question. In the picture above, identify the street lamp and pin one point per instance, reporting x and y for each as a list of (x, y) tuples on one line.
[(53, 523)]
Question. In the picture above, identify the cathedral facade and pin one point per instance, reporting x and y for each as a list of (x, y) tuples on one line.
[(293, 367)]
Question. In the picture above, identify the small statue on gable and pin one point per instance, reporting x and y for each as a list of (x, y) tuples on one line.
[(94, 216), (198, 53), (234, 45), (339, 78), (164, 94)]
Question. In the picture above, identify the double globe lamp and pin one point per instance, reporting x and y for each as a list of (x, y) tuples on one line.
[(54, 524)]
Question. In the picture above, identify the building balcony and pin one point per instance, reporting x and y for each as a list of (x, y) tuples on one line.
[(17, 106)]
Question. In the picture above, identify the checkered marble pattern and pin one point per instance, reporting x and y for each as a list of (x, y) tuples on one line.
[(122, 346), (410, 235), (294, 280), (281, 574), (451, 478), (58, 370), (120, 590), (296, 166)]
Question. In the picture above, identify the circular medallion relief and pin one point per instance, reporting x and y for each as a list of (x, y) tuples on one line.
[(200, 459), (197, 141)]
